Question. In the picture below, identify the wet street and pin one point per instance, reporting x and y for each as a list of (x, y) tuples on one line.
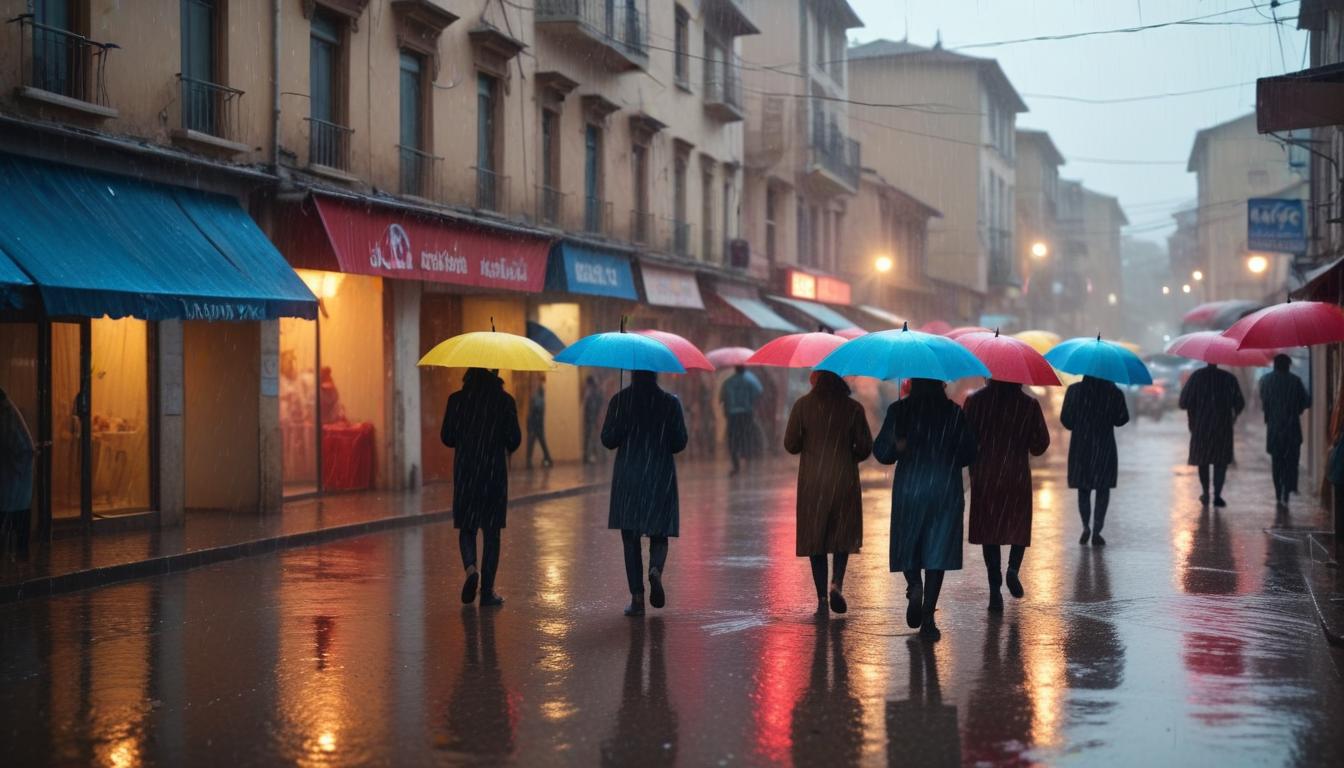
[(1188, 640)]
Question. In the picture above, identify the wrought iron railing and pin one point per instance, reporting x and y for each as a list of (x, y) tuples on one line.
[(419, 173), (550, 206), (597, 216), (641, 227), (492, 189), (210, 108), (328, 144), (835, 152), (722, 84), (620, 23), (62, 62)]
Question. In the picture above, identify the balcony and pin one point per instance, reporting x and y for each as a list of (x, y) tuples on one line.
[(597, 216), (641, 227), (680, 241), (63, 69), (210, 116), (551, 207), (723, 91), (329, 148), (1002, 271), (492, 189), (419, 173), (833, 165), (613, 32)]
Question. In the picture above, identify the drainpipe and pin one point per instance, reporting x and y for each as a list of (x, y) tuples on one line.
[(275, 88)]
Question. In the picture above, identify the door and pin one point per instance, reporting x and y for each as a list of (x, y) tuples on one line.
[(198, 66)]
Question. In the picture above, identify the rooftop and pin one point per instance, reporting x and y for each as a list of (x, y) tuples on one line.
[(906, 50)]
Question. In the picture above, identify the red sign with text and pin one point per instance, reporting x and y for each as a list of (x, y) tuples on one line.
[(805, 285)]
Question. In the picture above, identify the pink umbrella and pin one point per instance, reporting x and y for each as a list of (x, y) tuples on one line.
[(686, 352), (1213, 347), (729, 357), (1294, 324), (797, 350), (1010, 359), (851, 333), (936, 327), (957, 333)]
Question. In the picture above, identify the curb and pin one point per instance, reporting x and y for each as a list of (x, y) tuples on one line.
[(47, 586), (1333, 634)]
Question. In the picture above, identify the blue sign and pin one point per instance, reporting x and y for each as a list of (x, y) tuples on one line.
[(1276, 225), (590, 271)]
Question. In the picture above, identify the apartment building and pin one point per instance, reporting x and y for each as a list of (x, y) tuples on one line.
[(1036, 201)]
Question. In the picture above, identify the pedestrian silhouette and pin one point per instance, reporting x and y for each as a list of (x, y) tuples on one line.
[(16, 476), (1283, 399), (1092, 409), (646, 723), (1009, 429), (481, 425), (927, 437), (1092, 647), (739, 395), (830, 431), (922, 730), (536, 425), (592, 410), (644, 425), (1212, 400)]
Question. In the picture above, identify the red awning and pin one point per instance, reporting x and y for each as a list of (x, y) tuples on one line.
[(339, 235)]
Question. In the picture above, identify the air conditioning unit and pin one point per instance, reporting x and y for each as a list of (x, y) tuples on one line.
[(739, 254)]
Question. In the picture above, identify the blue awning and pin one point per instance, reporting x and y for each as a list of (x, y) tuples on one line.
[(13, 283), (580, 269), (100, 244)]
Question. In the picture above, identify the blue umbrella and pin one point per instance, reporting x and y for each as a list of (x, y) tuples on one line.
[(626, 351), (1086, 356), (904, 354)]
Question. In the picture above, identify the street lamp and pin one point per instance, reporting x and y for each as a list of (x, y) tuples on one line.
[(1166, 290), (1039, 250), (883, 263), (1257, 264), (1112, 299), (1197, 275), (1185, 288)]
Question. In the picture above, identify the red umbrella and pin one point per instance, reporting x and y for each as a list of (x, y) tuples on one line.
[(687, 353), (936, 327), (1213, 347), (1204, 312), (729, 357), (1010, 359), (1294, 324), (957, 333), (797, 350), (851, 333)]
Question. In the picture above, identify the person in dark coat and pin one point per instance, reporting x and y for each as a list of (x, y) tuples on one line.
[(481, 424), (1092, 409), (645, 426), (1009, 428), (1212, 401), (592, 408), (829, 429), (17, 456), (536, 425), (1283, 400), (927, 437)]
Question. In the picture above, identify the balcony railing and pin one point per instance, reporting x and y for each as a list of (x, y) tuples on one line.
[(723, 92), (617, 23), (419, 173), (641, 227), (681, 237), (551, 206), (210, 108), (492, 189), (62, 62), (328, 144), (597, 216), (834, 152)]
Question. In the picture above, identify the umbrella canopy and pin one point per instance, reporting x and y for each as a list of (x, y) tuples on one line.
[(904, 354), (1086, 356), (797, 350), (1010, 359), (625, 351), (687, 353), (1041, 341), (957, 333), (489, 349), (936, 327), (544, 336), (850, 333), (729, 357), (1214, 347), (1294, 324), (1213, 313)]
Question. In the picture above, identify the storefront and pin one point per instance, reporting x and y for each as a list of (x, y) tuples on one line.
[(807, 296)]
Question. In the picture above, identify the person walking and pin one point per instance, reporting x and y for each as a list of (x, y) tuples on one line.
[(1009, 429), (829, 430), (1283, 399), (481, 424), (645, 426), (592, 408), (536, 425), (1092, 409), (926, 436), (1212, 401), (739, 395), (17, 453)]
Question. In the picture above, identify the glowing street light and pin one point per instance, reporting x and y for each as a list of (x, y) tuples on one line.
[(1166, 290), (883, 263), (1039, 250), (1185, 288), (1112, 299), (1197, 275), (1257, 264)]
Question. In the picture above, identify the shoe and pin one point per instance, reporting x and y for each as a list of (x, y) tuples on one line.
[(1218, 501), (1087, 534), (657, 598), (636, 607), (915, 610), (547, 464), (469, 589), (929, 630), (995, 602), (1097, 541), (491, 601), (823, 607), (838, 603), (1014, 585), (1204, 499)]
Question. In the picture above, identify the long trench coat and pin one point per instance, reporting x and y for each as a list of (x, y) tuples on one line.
[(1212, 401), (926, 436), (1283, 399), (481, 424), (645, 426), (1093, 408), (1009, 427), (830, 431)]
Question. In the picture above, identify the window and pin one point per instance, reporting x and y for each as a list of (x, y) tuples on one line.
[(639, 167), (681, 235), (199, 25), (328, 136), (771, 209), (415, 162), (487, 159), (707, 214), (801, 235), (59, 52), (593, 205), (728, 217), (683, 47), (550, 166)]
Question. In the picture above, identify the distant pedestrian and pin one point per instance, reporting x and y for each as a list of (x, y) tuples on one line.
[(1092, 409), (536, 425), (1283, 400), (829, 429), (739, 395), (16, 475), (926, 436), (645, 426), (1212, 401), (481, 424), (592, 409), (1009, 429)]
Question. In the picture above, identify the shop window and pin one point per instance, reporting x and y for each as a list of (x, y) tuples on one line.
[(298, 404), (119, 415), (18, 375)]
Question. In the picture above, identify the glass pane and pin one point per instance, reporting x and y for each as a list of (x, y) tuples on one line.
[(66, 455), (119, 367), (298, 404), (18, 372), (410, 101)]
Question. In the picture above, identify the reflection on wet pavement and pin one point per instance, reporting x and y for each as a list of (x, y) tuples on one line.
[(1187, 640)]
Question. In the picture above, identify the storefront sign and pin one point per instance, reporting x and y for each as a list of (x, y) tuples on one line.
[(1276, 225), (804, 285), (671, 288), (589, 271)]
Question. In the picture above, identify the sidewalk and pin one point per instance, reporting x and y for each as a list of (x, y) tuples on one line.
[(1325, 584)]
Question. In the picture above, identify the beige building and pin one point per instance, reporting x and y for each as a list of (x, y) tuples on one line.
[(886, 253), (1087, 267), (1036, 200)]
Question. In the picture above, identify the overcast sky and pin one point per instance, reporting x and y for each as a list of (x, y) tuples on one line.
[(1176, 58)]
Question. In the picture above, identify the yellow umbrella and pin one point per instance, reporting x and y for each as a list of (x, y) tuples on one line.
[(490, 349), (1041, 341)]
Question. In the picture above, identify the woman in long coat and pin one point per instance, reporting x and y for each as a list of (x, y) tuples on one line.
[(1009, 428), (927, 437), (830, 430), (481, 423), (1093, 408), (1212, 400), (645, 426)]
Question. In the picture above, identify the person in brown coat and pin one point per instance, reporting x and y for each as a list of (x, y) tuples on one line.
[(829, 429), (1008, 426)]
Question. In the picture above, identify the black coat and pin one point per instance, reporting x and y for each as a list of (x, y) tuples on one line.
[(1093, 408), (1283, 399), (1211, 400), (481, 424), (645, 427)]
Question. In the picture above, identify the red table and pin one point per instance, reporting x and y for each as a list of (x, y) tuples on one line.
[(347, 456)]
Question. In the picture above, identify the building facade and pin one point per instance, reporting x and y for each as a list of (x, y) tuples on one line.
[(1036, 238)]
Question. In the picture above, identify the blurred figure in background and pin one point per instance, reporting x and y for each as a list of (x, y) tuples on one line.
[(16, 475), (592, 408), (1212, 401), (739, 395), (1283, 400), (536, 424)]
